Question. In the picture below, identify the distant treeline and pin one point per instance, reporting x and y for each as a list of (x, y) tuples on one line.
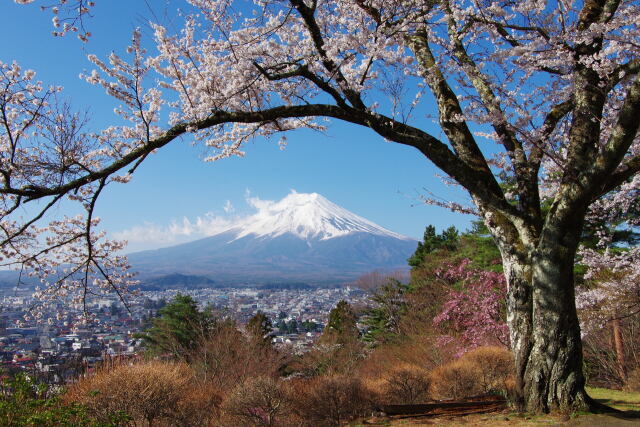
[(9, 279), (189, 281)]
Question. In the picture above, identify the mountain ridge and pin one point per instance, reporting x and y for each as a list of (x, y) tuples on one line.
[(301, 238)]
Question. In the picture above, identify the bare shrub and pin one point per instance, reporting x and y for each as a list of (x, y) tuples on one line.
[(199, 406), (407, 386), (633, 381), (607, 364), (148, 392), (259, 401), (456, 380), (228, 358), (332, 359), (494, 366), (330, 401), (483, 370), (372, 281)]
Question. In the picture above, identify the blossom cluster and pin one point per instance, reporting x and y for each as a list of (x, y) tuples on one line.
[(68, 16), (475, 312), (42, 148)]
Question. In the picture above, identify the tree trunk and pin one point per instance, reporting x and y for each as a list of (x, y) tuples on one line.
[(618, 345), (518, 276), (553, 378), (544, 328)]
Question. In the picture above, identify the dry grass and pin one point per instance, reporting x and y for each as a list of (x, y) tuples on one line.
[(622, 400), (633, 381)]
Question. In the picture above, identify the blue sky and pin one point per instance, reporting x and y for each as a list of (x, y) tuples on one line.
[(350, 166)]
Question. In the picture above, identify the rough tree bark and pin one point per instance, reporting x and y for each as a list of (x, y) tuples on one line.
[(543, 321)]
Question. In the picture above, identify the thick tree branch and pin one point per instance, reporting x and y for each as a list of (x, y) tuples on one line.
[(629, 69), (307, 14), (451, 115), (32, 192), (625, 172), (591, 12), (609, 10), (622, 136), (526, 176), (473, 178), (589, 100)]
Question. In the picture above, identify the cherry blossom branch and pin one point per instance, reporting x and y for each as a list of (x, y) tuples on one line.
[(302, 70), (631, 68), (626, 171), (306, 12), (72, 18), (526, 176), (450, 112), (622, 135)]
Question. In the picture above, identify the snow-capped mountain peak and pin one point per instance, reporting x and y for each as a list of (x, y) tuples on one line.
[(309, 216), (301, 238)]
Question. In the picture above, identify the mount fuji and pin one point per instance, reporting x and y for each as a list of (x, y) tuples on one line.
[(301, 238)]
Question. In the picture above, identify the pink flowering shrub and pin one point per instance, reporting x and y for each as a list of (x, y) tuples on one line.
[(474, 314)]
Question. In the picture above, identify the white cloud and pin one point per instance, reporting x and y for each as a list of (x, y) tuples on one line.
[(152, 236), (259, 204)]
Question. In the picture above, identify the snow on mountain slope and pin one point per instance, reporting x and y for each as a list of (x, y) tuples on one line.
[(307, 216), (303, 237)]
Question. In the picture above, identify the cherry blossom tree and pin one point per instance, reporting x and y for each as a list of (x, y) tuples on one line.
[(474, 312), (537, 103), (610, 295), (43, 149)]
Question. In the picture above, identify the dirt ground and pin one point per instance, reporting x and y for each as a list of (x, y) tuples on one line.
[(626, 402), (512, 420)]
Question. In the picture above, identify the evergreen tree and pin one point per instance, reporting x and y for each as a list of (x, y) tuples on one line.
[(309, 326), (292, 326), (179, 328), (389, 305), (341, 326), (478, 246), (282, 326), (447, 240), (260, 327)]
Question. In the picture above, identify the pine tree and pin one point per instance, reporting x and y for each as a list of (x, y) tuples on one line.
[(260, 327), (341, 326), (389, 305), (179, 328)]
